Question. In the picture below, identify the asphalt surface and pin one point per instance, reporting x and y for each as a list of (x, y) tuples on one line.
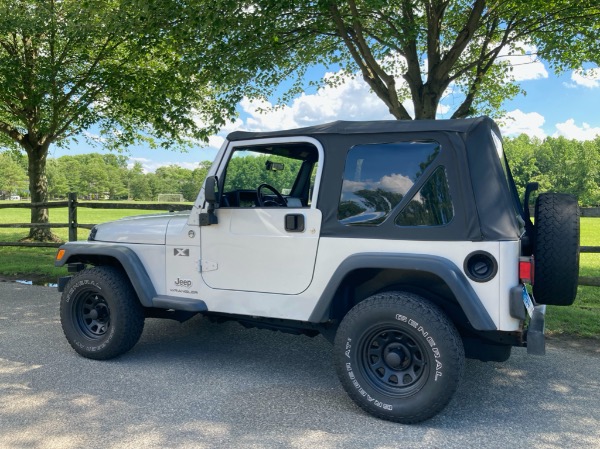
[(204, 385)]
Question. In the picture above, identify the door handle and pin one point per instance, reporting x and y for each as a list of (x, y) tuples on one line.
[(294, 223)]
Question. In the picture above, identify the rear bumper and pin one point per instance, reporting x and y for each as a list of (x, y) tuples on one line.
[(536, 341)]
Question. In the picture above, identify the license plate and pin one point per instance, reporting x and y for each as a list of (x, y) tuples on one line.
[(528, 302)]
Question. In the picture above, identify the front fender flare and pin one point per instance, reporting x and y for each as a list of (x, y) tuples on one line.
[(127, 258)]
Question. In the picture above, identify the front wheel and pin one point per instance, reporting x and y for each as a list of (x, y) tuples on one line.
[(399, 357), (100, 313)]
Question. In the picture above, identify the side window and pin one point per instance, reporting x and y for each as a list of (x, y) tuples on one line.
[(378, 176), (431, 205), (284, 167)]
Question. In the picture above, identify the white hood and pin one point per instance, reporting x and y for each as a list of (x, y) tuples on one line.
[(146, 229)]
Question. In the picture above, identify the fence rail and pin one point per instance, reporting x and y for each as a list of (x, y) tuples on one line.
[(589, 211), (72, 204)]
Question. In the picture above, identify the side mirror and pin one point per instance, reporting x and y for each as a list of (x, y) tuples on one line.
[(211, 197), (210, 189)]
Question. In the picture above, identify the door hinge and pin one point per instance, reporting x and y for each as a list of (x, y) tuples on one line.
[(207, 265)]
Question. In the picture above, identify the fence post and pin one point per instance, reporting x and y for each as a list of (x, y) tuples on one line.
[(72, 216)]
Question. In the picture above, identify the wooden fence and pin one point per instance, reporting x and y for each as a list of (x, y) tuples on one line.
[(72, 204)]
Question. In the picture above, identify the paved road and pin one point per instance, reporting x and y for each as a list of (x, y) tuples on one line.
[(203, 385)]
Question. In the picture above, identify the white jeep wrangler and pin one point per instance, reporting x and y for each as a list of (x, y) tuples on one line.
[(404, 243)]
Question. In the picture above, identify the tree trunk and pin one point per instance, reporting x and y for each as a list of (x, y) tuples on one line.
[(38, 189)]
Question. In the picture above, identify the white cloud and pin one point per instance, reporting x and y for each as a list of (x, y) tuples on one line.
[(524, 63), (97, 138), (260, 116), (350, 99), (518, 122), (570, 130), (216, 141), (586, 78), (396, 183)]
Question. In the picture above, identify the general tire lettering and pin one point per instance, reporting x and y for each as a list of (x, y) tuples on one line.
[(399, 357), (100, 313)]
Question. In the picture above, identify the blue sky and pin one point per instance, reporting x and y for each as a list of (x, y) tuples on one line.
[(567, 105)]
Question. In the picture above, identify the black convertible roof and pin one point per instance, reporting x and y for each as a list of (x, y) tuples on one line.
[(481, 193), (369, 127)]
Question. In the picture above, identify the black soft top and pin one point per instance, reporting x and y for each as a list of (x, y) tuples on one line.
[(370, 127), (484, 204)]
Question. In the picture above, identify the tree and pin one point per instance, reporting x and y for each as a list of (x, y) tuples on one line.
[(415, 50), (557, 164), (191, 188), (171, 179), (117, 173), (139, 186), (248, 171), (94, 175), (90, 175), (12, 175), (124, 66), (522, 152), (58, 186)]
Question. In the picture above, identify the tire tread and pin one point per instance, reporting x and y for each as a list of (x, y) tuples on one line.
[(556, 249), (127, 305), (403, 301)]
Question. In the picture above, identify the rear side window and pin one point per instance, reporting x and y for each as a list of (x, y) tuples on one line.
[(378, 176), (431, 205)]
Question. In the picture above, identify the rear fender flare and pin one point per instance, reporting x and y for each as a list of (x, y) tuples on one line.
[(446, 270)]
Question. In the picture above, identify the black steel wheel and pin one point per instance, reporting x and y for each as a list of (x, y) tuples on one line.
[(393, 361), (100, 313), (399, 357), (92, 314)]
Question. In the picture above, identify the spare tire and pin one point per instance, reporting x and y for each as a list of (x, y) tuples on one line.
[(556, 249)]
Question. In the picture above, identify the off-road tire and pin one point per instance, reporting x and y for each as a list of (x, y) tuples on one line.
[(556, 249), (100, 313), (399, 357)]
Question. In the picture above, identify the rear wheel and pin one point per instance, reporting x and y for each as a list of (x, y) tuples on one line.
[(556, 249), (100, 313), (399, 357)]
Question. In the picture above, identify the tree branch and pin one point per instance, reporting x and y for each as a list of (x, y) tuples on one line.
[(413, 71), (85, 78), (463, 38), (435, 16), (370, 69), (484, 63), (11, 132)]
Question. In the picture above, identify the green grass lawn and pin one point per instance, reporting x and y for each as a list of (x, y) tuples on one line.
[(581, 319), (23, 262)]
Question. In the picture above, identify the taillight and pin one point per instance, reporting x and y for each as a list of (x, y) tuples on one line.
[(526, 270)]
